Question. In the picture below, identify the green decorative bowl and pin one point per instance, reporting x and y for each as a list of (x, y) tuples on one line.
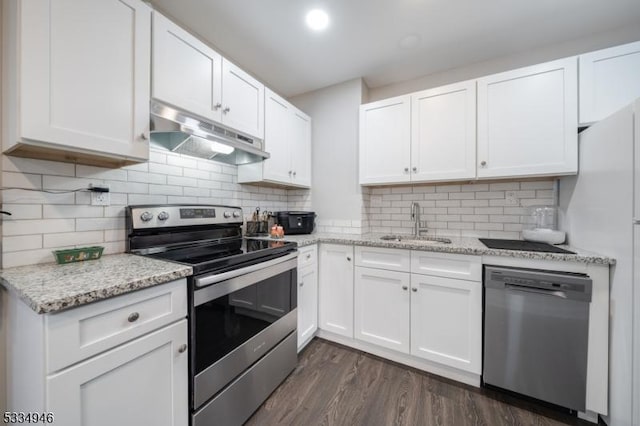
[(78, 254)]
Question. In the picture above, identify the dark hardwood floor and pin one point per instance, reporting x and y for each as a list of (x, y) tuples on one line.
[(336, 385)]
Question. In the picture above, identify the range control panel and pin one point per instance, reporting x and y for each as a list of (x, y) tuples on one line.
[(161, 216)]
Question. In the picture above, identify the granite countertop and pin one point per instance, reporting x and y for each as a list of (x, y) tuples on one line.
[(471, 246), (50, 287)]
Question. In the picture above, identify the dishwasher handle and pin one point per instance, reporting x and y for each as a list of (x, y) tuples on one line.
[(525, 289)]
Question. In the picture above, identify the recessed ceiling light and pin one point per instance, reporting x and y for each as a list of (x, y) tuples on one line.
[(317, 19)]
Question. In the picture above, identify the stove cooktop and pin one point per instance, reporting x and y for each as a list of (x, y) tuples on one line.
[(219, 257), (522, 246)]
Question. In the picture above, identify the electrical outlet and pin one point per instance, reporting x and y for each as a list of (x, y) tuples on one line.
[(511, 199), (100, 198)]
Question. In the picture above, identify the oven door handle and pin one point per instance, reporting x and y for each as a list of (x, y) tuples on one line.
[(212, 279)]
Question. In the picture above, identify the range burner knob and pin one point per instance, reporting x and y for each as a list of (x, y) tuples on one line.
[(236, 214), (163, 216), (227, 215), (146, 216)]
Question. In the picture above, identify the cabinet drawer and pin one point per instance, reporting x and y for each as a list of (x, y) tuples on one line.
[(82, 332), (383, 258), (447, 265), (307, 256)]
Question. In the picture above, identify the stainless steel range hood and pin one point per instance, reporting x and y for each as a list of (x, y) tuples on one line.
[(185, 133)]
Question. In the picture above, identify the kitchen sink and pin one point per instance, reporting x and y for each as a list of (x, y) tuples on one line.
[(412, 239)]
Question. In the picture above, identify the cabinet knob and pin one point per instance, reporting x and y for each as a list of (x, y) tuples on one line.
[(414, 289), (226, 110), (415, 169), (294, 174), (404, 287), (308, 256), (133, 317), (483, 163), (406, 170), (217, 106), (290, 171), (183, 348), (143, 136), (302, 284), (348, 259)]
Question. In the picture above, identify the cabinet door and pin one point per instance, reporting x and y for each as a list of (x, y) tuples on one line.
[(85, 74), (385, 141), (608, 81), (143, 382), (300, 145), (307, 304), (242, 101), (446, 321), (336, 289), (443, 133), (277, 133), (527, 121), (186, 72), (382, 308)]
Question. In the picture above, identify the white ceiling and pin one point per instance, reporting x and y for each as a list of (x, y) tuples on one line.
[(269, 38)]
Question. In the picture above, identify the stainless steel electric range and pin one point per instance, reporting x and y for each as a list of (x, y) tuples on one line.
[(242, 304)]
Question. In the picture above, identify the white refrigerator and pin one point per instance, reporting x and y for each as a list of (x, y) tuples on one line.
[(600, 211)]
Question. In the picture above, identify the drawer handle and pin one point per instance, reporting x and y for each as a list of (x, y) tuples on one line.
[(183, 348), (404, 287), (133, 317), (414, 289)]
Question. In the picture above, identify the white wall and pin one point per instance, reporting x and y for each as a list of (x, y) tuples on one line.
[(336, 196), (530, 57)]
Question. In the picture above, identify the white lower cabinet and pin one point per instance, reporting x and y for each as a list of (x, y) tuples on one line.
[(142, 382), (446, 321), (121, 361), (336, 289), (433, 315), (382, 308), (307, 295)]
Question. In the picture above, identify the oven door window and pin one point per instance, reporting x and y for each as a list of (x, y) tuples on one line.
[(223, 324)]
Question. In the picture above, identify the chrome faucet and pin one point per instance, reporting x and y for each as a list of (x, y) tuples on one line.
[(417, 224)]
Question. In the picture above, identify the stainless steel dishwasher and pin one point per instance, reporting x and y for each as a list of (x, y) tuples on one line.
[(536, 326)]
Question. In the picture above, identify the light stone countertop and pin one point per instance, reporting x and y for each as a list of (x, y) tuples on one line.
[(50, 287), (471, 246)]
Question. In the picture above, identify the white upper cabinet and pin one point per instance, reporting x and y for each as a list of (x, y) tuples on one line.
[(300, 145), (242, 101), (186, 72), (287, 138), (424, 137), (443, 133), (527, 121), (385, 141), (609, 80), (190, 75), (79, 78)]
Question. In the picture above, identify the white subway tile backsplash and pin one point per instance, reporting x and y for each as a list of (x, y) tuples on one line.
[(42, 167), (100, 173), (21, 180), (94, 224), (54, 211), (37, 226), (474, 210), (23, 211), (22, 242), (72, 239)]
